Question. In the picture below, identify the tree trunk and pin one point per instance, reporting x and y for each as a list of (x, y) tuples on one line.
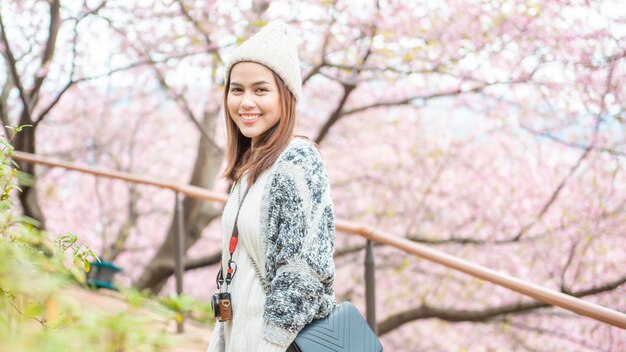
[(198, 213), (25, 142)]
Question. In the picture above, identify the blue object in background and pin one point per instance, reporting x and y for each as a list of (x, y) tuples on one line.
[(101, 275)]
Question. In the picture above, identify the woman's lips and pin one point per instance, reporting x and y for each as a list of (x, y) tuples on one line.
[(249, 119)]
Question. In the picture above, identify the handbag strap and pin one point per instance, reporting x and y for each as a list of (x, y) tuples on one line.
[(232, 245)]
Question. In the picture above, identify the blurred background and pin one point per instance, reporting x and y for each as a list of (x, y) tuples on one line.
[(493, 130)]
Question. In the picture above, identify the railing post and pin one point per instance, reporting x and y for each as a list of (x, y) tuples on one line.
[(370, 286), (180, 252)]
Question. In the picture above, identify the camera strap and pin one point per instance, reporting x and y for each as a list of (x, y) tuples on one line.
[(234, 240)]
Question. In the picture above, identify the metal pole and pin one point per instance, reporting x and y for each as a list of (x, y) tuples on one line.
[(370, 286), (180, 252)]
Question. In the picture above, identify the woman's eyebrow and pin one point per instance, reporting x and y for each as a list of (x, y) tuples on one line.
[(253, 84)]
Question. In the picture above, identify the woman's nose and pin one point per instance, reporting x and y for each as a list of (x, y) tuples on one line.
[(247, 102)]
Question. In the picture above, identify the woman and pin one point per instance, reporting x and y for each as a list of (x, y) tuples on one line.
[(284, 257)]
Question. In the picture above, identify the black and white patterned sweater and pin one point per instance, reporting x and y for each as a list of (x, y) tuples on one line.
[(298, 240)]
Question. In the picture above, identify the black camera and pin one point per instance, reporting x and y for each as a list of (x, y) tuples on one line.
[(222, 307)]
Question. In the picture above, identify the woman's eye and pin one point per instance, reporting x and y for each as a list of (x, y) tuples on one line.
[(235, 90), (261, 90)]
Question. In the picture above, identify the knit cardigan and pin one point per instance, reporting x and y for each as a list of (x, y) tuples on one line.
[(298, 240)]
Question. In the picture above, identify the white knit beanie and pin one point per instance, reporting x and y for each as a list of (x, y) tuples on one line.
[(273, 46)]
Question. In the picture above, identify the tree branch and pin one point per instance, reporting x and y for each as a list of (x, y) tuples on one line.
[(553, 196), (557, 334), (384, 69), (183, 104), (316, 69), (71, 82), (561, 141), (336, 114), (583, 156), (205, 34), (95, 10), (4, 98), (119, 245), (46, 58), (424, 98), (184, 10), (178, 98), (568, 263), (426, 312), (618, 210), (348, 88), (12, 64), (195, 263), (131, 66)]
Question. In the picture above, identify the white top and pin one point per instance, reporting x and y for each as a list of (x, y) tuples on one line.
[(243, 332)]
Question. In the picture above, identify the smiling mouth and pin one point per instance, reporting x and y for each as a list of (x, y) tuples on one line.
[(249, 118)]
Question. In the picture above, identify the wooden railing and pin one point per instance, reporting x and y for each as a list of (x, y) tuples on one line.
[(524, 287)]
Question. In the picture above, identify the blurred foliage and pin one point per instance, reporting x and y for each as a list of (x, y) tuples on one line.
[(187, 306), (36, 269)]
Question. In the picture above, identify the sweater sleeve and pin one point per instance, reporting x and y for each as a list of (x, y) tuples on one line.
[(302, 231), (266, 346)]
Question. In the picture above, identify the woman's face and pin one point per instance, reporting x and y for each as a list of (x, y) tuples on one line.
[(253, 99)]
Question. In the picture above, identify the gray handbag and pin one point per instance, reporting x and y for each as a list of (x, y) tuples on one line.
[(343, 330)]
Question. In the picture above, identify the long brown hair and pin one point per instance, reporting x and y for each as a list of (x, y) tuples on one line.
[(240, 156)]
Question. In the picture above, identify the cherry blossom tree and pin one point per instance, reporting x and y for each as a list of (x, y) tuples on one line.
[(492, 130)]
